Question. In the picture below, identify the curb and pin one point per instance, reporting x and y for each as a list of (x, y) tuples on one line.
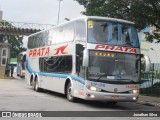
[(149, 103), (6, 78)]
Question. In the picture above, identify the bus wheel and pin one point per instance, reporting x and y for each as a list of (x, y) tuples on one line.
[(33, 84), (69, 93), (36, 87)]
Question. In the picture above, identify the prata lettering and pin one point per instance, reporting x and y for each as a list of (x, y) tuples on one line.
[(39, 52), (116, 48)]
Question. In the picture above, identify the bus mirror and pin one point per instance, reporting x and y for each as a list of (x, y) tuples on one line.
[(85, 58), (146, 63)]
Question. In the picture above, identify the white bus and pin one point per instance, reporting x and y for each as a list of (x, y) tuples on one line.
[(21, 59), (68, 59)]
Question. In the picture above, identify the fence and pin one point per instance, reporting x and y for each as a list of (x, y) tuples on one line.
[(150, 81)]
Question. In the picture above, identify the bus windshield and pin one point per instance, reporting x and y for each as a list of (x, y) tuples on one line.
[(103, 32), (110, 66)]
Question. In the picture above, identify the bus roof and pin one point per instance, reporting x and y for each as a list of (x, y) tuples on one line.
[(104, 18), (88, 18), (22, 53)]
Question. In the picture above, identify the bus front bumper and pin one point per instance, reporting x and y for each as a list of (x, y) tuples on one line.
[(119, 97)]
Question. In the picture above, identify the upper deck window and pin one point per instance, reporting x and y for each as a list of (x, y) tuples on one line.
[(80, 30), (56, 35), (102, 32)]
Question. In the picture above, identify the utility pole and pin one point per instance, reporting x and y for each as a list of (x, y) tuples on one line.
[(59, 10)]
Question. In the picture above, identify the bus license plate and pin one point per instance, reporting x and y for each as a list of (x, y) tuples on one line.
[(115, 97)]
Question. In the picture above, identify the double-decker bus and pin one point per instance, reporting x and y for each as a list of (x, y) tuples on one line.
[(21, 64), (80, 59)]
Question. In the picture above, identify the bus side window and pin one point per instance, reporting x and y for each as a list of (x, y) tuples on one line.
[(54, 35), (80, 31), (60, 36), (68, 32), (62, 64), (24, 62)]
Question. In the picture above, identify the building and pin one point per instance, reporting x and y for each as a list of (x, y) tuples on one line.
[(4, 57), (149, 49)]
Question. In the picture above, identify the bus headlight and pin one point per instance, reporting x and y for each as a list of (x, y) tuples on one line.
[(92, 88), (134, 91), (23, 71)]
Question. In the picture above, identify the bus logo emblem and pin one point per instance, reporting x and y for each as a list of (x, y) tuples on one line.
[(61, 50), (115, 90)]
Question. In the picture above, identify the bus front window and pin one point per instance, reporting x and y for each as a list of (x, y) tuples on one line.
[(101, 32), (97, 32), (109, 66)]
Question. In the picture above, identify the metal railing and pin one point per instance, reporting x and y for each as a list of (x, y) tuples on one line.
[(21, 28), (150, 81), (10, 24)]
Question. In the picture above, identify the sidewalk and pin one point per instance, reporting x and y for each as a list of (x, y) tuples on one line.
[(150, 101)]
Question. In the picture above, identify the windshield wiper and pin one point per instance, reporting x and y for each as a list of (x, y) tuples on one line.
[(127, 80), (133, 81), (101, 76), (124, 80)]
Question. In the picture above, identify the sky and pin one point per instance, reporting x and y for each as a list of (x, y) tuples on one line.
[(39, 11)]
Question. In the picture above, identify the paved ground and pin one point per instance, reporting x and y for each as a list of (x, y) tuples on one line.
[(147, 100), (15, 95)]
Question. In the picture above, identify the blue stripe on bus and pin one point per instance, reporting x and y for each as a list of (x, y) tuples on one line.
[(81, 80)]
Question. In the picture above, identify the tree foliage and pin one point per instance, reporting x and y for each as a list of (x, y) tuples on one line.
[(143, 12), (15, 41)]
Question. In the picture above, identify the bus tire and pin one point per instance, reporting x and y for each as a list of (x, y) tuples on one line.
[(33, 84), (68, 93), (36, 87)]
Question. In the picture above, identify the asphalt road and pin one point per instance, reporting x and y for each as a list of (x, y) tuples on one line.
[(16, 95)]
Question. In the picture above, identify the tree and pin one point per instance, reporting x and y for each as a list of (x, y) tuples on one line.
[(15, 41), (142, 12)]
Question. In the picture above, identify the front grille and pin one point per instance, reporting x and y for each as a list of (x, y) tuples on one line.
[(127, 92)]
